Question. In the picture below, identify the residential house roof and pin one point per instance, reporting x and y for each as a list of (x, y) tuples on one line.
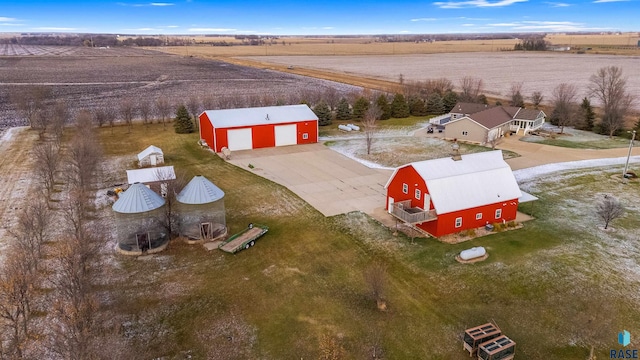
[(491, 117), (200, 191), (229, 118), (469, 108), (148, 151), (528, 114), (476, 180), (137, 199)]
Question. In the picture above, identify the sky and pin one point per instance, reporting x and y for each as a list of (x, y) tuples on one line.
[(320, 17)]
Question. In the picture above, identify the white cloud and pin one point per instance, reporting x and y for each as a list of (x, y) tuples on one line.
[(468, 25), (146, 4), (607, 1), (503, 24), (328, 28), (535, 26), (475, 3), (424, 19), (161, 4), (173, 26), (210, 30), (404, 32), (7, 19), (558, 4)]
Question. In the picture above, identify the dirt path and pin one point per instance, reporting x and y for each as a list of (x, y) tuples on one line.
[(15, 178)]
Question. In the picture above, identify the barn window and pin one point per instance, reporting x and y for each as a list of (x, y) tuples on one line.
[(305, 136), (478, 216), (498, 213), (405, 188), (418, 194), (458, 222), (465, 133)]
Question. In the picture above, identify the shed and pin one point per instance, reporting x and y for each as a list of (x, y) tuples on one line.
[(446, 196), (154, 177), (138, 214), (258, 127), (201, 210), (151, 156)]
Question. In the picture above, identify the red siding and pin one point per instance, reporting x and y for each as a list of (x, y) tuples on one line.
[(263, 136), (445, 224), (311, 129), (206, 130), (221, 139)]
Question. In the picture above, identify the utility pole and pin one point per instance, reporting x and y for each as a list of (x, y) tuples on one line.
[(626, 165)]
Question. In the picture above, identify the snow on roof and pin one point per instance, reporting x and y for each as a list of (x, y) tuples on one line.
[(228, 118), (200, 191), (476, 180), (137, 199), (148, 151), (148, 175)]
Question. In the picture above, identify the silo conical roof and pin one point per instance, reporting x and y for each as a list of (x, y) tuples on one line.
[(200, 191), (137, 199)]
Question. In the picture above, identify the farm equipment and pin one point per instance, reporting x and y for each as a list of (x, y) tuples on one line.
[(244, 239)]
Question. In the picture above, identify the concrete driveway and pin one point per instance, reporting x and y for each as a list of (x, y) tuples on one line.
[(330, 182)]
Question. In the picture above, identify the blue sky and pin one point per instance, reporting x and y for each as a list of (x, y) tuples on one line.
[(321, 17)]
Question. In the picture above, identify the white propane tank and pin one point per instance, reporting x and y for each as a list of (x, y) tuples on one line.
[(344, 128), (354, 127), (473, 253)]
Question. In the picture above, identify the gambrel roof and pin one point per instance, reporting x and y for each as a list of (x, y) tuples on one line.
[(476, 180)]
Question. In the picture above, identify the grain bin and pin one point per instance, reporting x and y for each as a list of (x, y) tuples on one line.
[(139, 213), (201, 210)]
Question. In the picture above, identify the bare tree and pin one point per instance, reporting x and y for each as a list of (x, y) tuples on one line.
[(170, 187), (608, 85), (609, 209), (60, 117), (127, 112), (46, 165), (564, 102), (442, 85), (515, 95), (493, 139), (194, 106), (536, 99), (83, 155), (470, 89), (164, 109), (144, 108), (30, 101), (209, 102), (33, 230), (369, 122), (375, 276), (16, 291), (100, 117), (331, 96)]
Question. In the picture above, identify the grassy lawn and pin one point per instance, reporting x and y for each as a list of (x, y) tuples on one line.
[(579, 139), (554, 286)]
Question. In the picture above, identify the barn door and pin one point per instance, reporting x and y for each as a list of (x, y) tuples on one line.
[(391, 201), (154, 160)]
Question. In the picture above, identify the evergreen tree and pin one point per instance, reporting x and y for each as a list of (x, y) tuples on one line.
[(399, 107), (435, 105), (360, 107), (323, 112), (417, 106), (343, 111), (587, 115), (183, 123), (450, 99), (384, 106)]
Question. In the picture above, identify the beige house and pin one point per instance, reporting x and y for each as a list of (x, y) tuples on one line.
[(479, 123)]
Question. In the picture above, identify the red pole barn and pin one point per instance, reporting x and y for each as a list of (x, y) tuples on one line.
[(449, 195), (259, 127)]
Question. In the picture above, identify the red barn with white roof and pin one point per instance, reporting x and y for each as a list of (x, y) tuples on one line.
[(445, 196), (251, 128)]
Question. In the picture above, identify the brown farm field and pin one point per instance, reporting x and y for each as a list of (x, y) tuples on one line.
[(88, 78)]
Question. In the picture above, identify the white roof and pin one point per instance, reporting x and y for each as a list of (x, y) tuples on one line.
[(137, 199), (148, 175), (200, 191), (148, 151), (229, 118), (476, 180)]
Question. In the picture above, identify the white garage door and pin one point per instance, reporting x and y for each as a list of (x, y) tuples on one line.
[(286, 135), (239, 139)]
